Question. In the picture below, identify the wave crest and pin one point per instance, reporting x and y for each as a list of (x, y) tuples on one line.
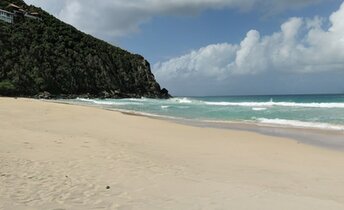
[(104, 102), (182, 100), (300, 124), (283, 104)]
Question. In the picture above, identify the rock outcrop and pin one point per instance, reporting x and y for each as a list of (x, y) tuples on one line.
[(48, 58)]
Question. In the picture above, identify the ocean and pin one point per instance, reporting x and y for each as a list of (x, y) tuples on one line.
[(321, 112)]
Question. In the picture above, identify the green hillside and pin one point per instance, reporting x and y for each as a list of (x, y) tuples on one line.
[(49, 55)]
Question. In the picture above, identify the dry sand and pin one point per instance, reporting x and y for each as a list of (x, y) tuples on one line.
[(56, 157)]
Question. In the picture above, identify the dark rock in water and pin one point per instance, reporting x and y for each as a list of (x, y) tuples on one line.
[(52, 56), (44, 95), (164, 93), (105, 94)]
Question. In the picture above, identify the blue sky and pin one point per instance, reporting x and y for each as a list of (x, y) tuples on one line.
[(223, 47), (167, 37)]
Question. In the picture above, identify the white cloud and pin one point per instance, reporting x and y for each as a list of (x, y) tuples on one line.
[(210, 61), (301, 46), (119, 17)]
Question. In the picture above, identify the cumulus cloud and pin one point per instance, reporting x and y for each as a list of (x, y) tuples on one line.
[(119, 17), (302, 46)]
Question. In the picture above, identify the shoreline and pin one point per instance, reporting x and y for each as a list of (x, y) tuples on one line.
[(311, 136), (62, 156)]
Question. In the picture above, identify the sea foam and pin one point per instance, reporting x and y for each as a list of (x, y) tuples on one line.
[(300, 124), (259, 109), (268, 113), (105, 102), (181, 100), (282, 104)]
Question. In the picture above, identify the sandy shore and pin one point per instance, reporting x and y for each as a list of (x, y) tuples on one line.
[(56, 157)]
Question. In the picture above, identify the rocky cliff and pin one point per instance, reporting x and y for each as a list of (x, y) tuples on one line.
[(51, 57)]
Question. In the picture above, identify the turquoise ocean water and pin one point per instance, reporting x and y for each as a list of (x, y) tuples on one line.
[(324, 112)]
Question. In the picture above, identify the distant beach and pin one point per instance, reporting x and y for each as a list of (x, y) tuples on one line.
[(59, 156)]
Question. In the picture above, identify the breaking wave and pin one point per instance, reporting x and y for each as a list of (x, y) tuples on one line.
[(104, 102), (181, 100), (281, 104), (259, 109), (298, 114), (300, 124)]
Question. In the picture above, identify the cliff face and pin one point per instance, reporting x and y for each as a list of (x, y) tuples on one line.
[(51, 56)]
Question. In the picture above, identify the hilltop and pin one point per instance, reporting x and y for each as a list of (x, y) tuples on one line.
[(51, 57)]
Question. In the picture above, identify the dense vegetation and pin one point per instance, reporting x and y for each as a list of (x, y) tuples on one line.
[(51, 56)]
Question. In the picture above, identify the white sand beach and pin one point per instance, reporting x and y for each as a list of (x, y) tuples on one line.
[(64, 157)]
